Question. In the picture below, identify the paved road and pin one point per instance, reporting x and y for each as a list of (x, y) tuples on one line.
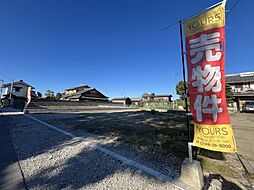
[(243, 125), (50, 159), (10, 173)]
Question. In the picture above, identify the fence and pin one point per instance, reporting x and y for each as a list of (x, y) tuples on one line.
[(46, 106), (159, 105)]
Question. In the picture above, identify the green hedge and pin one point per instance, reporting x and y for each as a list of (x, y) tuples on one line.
[(158, 105)]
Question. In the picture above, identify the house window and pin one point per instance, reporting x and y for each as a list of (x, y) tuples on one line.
[(16, 89)]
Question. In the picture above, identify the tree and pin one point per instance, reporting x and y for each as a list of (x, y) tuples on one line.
[(50, 94), (180, 89), (58, 96), (229, 95)]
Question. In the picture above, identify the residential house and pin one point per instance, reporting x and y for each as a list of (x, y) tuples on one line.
[(136, 101), (242, 85), (162, 98), (83, 93), (124, 101), (148, 97), (15, 94), (151, 97)]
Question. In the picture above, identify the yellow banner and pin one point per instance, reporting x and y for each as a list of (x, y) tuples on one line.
[(213, 18), (215, 137)]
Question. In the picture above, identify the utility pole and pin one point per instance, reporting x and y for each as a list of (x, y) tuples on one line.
[(11, 89), (173, 92), (11, 93), (1, 91)]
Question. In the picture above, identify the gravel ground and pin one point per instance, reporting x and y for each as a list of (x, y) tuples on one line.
[(51, 160), (166, 164)]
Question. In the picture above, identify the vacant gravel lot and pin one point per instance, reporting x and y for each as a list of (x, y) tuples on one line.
[(51, 160), (128, 134), (136, 136)]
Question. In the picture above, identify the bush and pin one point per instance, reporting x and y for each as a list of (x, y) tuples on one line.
[(158, 105)]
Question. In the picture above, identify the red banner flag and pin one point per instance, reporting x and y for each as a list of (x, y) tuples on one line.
[(205, 46)]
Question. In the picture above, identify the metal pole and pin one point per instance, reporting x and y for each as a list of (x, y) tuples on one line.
[(173, 90), (1, 88), (184, 80), (190, 151), (1, 91), (11, 92)]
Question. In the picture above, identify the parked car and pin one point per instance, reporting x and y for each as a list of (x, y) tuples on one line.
[(248, 106)]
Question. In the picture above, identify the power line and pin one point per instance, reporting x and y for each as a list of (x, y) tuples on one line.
[(232, 8), (6, 76), (174, 23), (2, 64), (199, 12), (169, 26)]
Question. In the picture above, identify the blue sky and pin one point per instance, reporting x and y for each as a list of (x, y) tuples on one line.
[(115, 46)]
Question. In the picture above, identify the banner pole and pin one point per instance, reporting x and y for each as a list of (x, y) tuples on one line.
[(184, 81)]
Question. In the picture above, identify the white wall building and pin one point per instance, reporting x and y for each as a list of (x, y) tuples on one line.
[(17, 91)]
